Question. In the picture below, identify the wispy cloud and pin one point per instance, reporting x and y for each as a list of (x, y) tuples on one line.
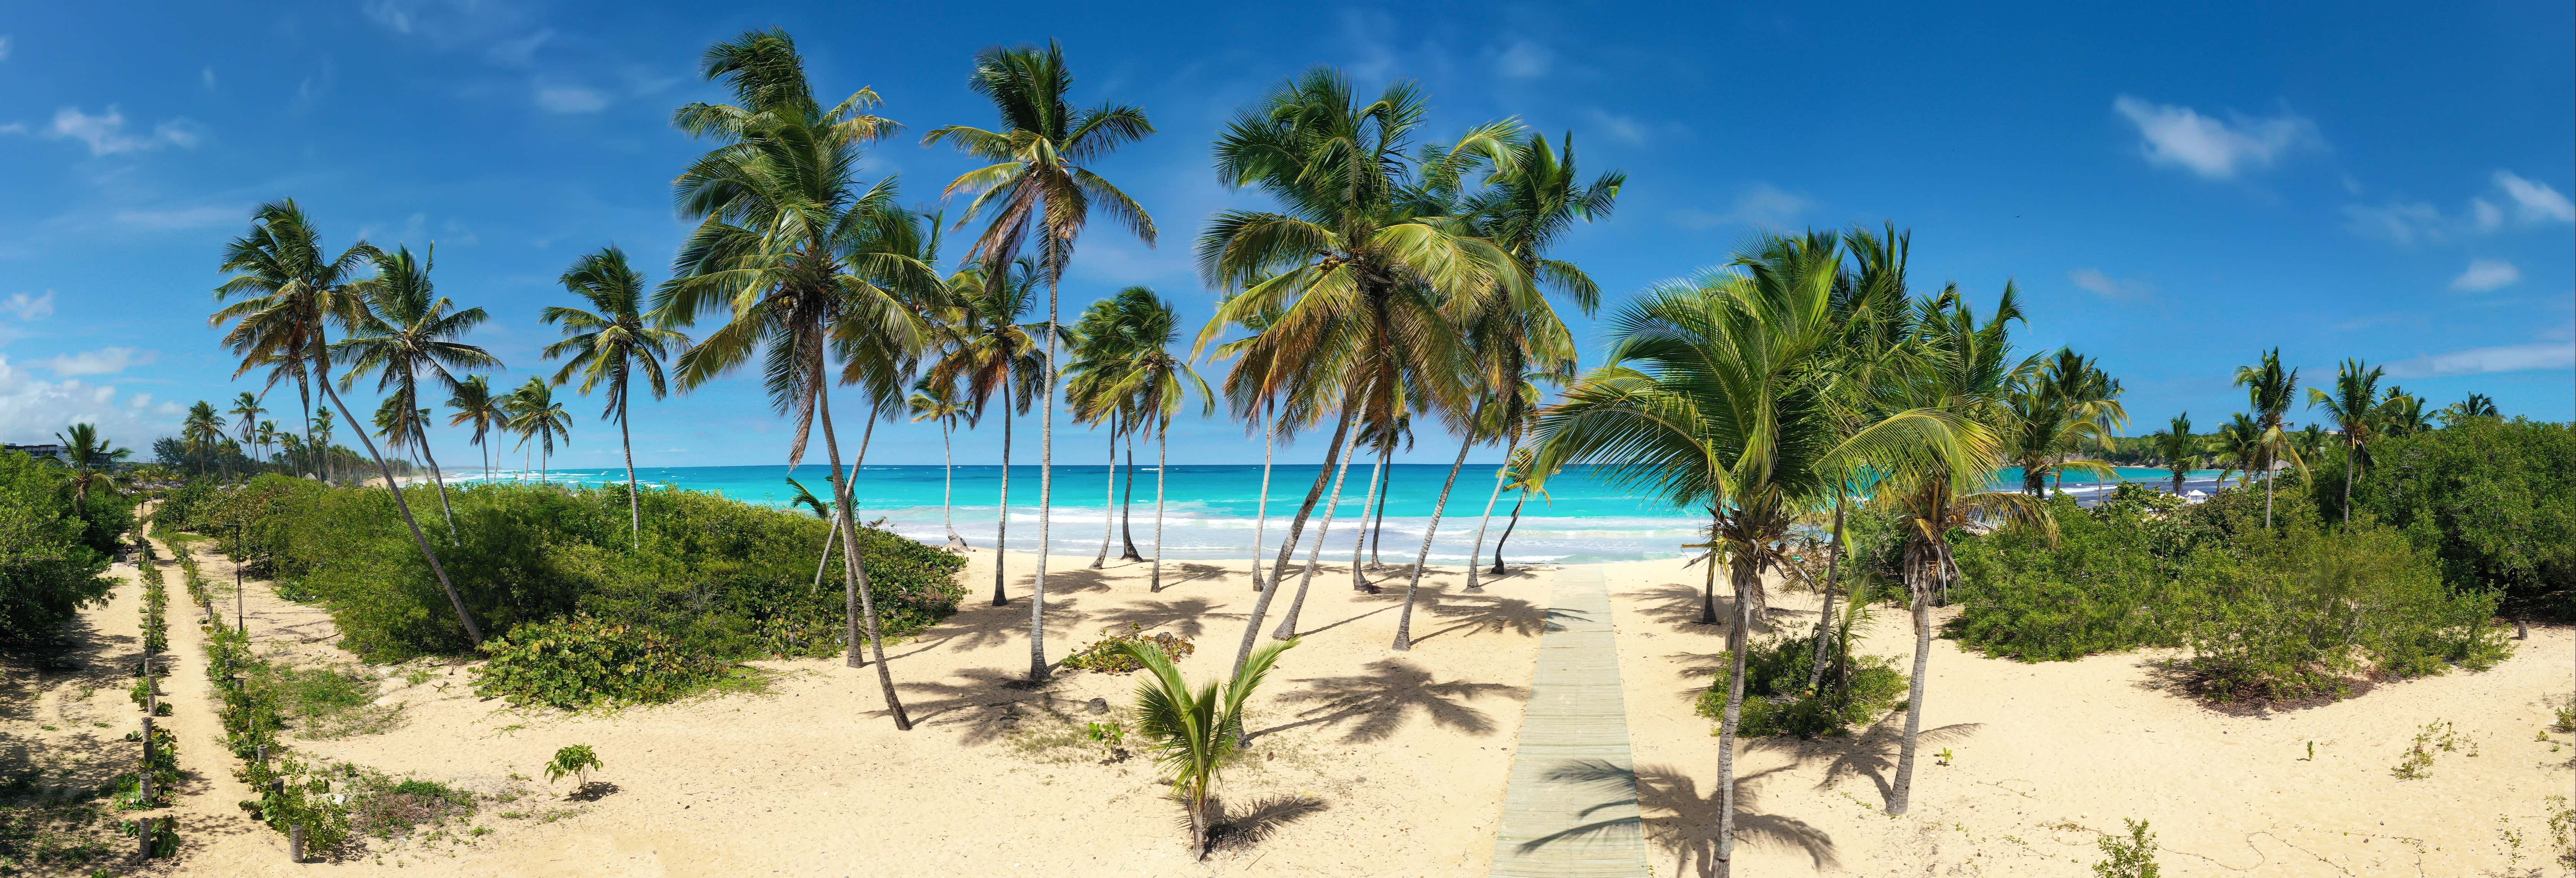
[(571, 99), (2534, 201), (207, 76), (104, 361), (2109, 287), (2481, 361), (1622, 129), (105, 132), (180, 218), (4, 47), (29, 307), (2211, 147), (2487, 274), (2408, 222), (1523, 59), (1761, 205)]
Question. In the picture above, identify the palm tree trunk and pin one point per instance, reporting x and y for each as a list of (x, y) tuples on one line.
[(1261, 514), (420, 434), (1306, 577), (2350, 462), (1745, 570), (1507, 533), (856, 575), (2267, 492), (1046, 498), (626, 440), (1825, 623), (1477, 549), (473, 634), (1359, 577), (828, 539), (1377, 529), (1127, 507), (1404, 622), (1903, 789), (1109, 502), (1162, 455), (1002, 527), (948, 482)]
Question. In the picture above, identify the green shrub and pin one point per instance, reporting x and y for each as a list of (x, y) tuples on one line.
[(573, 663), (1776, 698), (2130, 857), (2493, 501), (1109, 655), (576, 760), (49, 566), (2104, 586)]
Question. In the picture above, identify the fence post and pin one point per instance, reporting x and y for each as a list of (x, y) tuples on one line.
[(143, 830), (147, 760), (295, 843)]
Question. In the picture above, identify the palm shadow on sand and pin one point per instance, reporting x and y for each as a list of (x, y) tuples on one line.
[(1677, 604), (1483, 613), (1872, 753), (1185, 617), (1666, 794), (989, 704), (1235, 828), (1376, 704)]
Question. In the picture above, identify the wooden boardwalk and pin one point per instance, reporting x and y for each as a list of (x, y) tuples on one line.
[(1571, 809)]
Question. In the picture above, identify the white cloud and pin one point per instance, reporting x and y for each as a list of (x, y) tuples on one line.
[(1624, 129), (2211, 147), (104, 361), (14, 128), (1762, 205), (2485, 214), (105, 133), (180, 218), (1524, 60), (571, 99), (33, 410), (2404, 222), (2480, 361), (4, 48), (2109, 287), (29, 307), (2487, 274), (207, 76), (2535, 201)]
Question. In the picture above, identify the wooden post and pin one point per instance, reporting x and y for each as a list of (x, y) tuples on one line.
[(295, 843), (143, 831), (146, 786)]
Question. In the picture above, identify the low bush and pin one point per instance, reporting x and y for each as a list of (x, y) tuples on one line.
[(2493, 501), (2105, 585), (1778, 702), (1109, 655), (576, 662)]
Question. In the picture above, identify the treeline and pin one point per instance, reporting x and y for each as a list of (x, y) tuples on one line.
[(56, 543)]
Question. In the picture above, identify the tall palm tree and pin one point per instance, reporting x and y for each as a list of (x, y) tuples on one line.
[(1522, 475), (989, 353), (1362, 276), (268, 437), (613, 343), (94, 464), (1040, 189), (538, 418), (287, 294), (1250, 389), (937, 402), (474, 404), (405, 332), (2240, 443), (1711, 399), (802, 264), (2400, 413), (2179, 448), (246, 409), (1160, 382), (203, 428), (2058, 411), (2271, 389), (1101, 353)]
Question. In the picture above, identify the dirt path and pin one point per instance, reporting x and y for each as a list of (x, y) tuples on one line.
[(207, 807)]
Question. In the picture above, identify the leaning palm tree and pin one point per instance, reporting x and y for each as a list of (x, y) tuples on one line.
[(2271, 389), (405, 332), (1041, 190), (936, 402), (287, 294), (1711, 399), (2351, 406), (1250, 391), (802, 265), (1195, 732), (94, 465), (988, 352), (1160, 382), (613, 343), (2179, 448), (538, 419), (1522, 475), (473, 402)]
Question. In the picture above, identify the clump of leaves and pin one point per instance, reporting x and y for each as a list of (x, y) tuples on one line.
[(1113, 655), (2130, 857), (2562, 830), (1776, 698), (2436, 735), (574, 662), (576, 760)]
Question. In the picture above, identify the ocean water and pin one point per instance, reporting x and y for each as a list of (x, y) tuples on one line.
[(1209, 509)]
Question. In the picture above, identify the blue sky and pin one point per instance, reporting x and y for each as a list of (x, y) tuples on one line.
[(2174, 190)]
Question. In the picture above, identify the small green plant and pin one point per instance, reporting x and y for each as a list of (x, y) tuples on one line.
[(2436, 735), (1111, 655), (1113, 733), (2562, 830), (1945, 755), (1195, 732), (2312, 751), (576, 760), (2562, 714), (575, 662), (2131, 857), (1777, 702)]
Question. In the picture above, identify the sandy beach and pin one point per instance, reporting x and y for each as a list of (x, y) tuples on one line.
[(1371, 762)]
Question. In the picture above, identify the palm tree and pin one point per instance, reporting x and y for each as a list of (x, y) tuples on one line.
[(932, 401), (801, 265), (1040, 185), (474, 404), (203, 428), (538, 418), (1101, 354), (2179, 448), (1251, 391), (1160, 382), (1359, 263), (990, 354), (94, 463), (1712, 399), (2478, 405), (1521, 474), (2240, 443), (2271, 389), (614, 343), (2400, 413), (405, 330), (288, 294), (822, 509), (247, 409), (268, 437), (1195, 733), (2058, 411)]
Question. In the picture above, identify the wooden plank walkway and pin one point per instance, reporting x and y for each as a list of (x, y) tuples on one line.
[(1571, 809)]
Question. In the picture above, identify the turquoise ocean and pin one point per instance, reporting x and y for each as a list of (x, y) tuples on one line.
[(1210, 509)]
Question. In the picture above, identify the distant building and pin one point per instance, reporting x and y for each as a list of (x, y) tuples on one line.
[(58, 453)]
